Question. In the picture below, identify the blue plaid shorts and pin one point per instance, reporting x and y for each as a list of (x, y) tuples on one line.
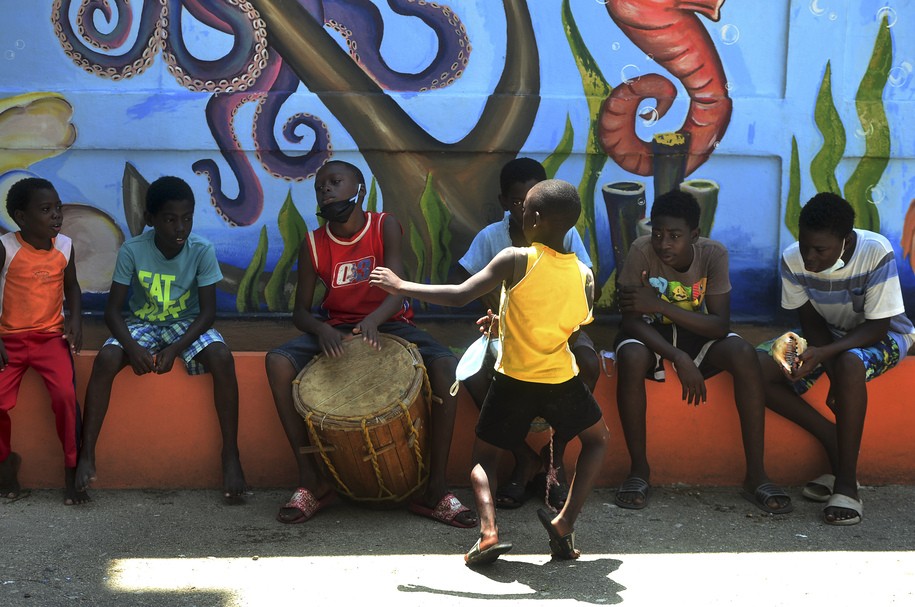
[(156, 337), (877, 358)]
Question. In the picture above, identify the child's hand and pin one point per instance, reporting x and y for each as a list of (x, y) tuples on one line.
[(73, 333), (4, 359), (331, 341), (691, 381), (808, 360), (489, 324), (385, 279), (141, 360), (165, 359), (643, 299), (369, 332)]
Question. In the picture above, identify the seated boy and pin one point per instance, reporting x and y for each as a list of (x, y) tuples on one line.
[(357, 240), (536, 371), (33, 330), (170, 275), (517, 177), (843, 283), (675, 300)]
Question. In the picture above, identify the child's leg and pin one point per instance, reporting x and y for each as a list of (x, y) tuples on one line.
[(781, 397), (280, 375), (633, 362), (590, 461), (108, 362), (738, 357), (850, 392), (484, 481), (10, 380), (52, 360), (218, 360)]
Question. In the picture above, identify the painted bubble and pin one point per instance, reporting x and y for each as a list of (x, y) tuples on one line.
[(899, 75), (19, 44), (865, 130), (650, 116), (615, 46), (729, 86), (815, 7), (890, 14), (833, 16), (630, 73), (730, 34), (875, 195), (602, 1), (9, 55)]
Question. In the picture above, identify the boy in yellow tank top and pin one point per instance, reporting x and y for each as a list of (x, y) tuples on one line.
[(547, 295)]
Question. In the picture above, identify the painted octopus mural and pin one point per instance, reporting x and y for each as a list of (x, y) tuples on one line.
[(442, 191)]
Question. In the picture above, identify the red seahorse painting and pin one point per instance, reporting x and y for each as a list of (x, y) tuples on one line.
[(671, 33), (908, 235)]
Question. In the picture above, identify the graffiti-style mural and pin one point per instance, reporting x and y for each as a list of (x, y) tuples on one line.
[(753, 107)]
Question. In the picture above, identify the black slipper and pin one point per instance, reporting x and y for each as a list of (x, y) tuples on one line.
[(477, 557), (511, 496), (636, 485), (561, 546), (763, 494)]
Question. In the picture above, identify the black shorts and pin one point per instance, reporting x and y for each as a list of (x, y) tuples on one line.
[(511, 405), (695, 346)]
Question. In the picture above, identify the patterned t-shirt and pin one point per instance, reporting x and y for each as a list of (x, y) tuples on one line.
[(707, 275), (164, 291)]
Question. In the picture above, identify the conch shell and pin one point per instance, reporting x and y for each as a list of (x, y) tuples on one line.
[(786, 350)]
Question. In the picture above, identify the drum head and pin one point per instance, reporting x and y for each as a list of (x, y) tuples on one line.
[(361, 383)]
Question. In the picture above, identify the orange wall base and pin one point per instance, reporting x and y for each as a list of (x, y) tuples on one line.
[(161, 432)]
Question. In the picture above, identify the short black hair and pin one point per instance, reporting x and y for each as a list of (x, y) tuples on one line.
[(677, 204), (827, 212), (520, 170), (21, 192), (558, 200), (165, 189), (357, 172)]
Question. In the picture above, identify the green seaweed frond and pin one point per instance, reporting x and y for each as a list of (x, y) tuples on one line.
[(371, 202), (438, 221), (793, 207), (823, 166), (293, 230), (247, 299), (563, 150)]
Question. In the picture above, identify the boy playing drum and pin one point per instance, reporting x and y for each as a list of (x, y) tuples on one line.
[(341, 254)]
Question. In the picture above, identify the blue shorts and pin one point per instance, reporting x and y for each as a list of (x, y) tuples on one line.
[(156, 337), (877, 358), (300, 350)]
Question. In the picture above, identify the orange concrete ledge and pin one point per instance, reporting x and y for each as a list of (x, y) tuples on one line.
[(161, 432)]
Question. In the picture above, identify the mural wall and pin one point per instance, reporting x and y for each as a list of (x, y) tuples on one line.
[(754, 106)]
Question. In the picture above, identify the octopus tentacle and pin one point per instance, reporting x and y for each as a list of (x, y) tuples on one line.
[(235, 72), (115, 67), (246, 207), (275, 161), (360, 23)]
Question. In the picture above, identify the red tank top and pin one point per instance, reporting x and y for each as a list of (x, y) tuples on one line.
[(345, 265)]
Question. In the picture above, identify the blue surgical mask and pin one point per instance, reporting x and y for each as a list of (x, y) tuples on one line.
[(838, 265)]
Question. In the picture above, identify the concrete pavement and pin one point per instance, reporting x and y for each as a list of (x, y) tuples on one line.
[(691, 546)]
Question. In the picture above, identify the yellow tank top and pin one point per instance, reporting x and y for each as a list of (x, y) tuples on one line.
[(539, 313)]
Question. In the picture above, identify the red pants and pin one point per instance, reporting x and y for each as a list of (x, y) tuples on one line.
[(49, 355)]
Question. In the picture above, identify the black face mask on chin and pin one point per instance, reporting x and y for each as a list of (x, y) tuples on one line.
[(339, 211)]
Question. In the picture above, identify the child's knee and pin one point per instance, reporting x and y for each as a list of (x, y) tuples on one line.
[(109, 360), (218, 359)]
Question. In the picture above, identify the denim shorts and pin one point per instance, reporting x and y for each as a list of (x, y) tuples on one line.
[(300, 350)]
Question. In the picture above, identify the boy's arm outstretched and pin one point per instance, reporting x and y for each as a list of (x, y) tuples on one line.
[(500, 269), (73, 331)]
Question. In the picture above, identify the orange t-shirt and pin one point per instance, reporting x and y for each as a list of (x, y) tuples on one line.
[(32, 285)]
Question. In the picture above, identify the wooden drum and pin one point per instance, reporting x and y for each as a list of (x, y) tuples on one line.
[(367, 414)]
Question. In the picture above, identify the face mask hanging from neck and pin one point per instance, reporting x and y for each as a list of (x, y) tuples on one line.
[(838, 265), (339, 211)]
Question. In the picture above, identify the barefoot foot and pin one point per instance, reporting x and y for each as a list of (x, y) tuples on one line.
[(84, 474), (233, 480), (9, 477), (73, 496)]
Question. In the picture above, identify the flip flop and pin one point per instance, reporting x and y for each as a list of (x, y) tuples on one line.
[(561, 546), (477, 557), (633, 484), (511, 496), (837, 500), (763, 494), (445, 511), (820, 488), (305, 502)]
